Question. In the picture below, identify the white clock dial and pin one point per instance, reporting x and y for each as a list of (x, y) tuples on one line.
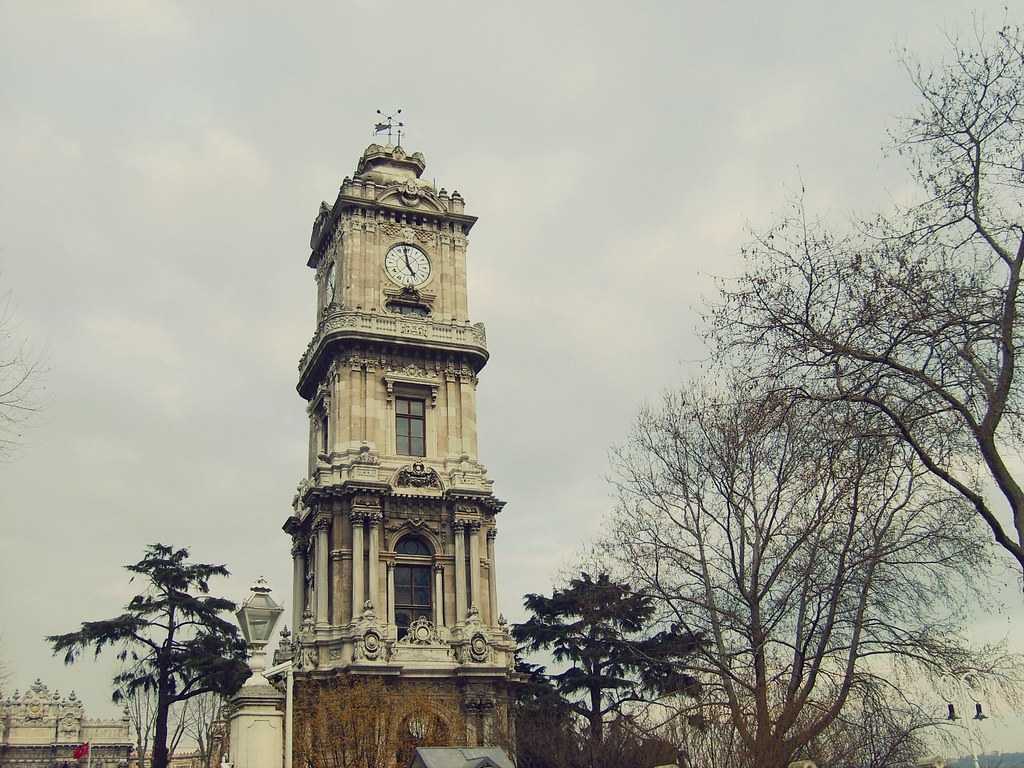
[(407, 265), (330, 284)]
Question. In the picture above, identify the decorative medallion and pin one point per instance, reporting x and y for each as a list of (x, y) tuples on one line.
[(417, 475), (421, 632), (370, 646), (479, 650)]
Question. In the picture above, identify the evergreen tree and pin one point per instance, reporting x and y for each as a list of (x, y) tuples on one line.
[(169, 640), (602, 628)]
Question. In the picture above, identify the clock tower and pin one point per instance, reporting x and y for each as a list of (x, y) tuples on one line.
[(393, 526)]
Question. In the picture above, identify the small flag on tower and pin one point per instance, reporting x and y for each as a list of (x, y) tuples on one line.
[(82, 750)]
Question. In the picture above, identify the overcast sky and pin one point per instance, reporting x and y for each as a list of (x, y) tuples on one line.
[(160, 168)]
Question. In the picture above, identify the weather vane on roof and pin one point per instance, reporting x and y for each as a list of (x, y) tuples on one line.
[(392, 124)]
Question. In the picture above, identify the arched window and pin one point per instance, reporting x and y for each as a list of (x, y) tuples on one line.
[(412, 545), (413, 591)]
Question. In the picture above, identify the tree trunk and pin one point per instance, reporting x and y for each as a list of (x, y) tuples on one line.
[(596, 721), (163, 705)]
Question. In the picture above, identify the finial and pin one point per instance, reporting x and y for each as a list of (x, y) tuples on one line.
[(392, 124)]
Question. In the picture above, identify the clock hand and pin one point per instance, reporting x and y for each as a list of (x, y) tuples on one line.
[(409, 266)]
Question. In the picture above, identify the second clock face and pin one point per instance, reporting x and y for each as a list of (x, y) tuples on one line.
[(407, 265)]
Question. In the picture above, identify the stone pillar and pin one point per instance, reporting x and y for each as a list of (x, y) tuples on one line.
[(391, 594), (474, 565), (374, 518), (358, 593), (492, 580), (321, 526), (298, 580), (438, 595), (460, 571), (256, 726)]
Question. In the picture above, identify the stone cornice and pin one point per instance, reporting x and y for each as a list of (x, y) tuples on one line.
[(339, 324), (366, 195)]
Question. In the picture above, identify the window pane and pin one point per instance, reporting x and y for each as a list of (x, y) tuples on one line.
[(421, 577), (410, 545), (421, 596), (403, 576), (416, 446), (401, 405), (416, 407), (403, 445), (415, 428), (402, 425)]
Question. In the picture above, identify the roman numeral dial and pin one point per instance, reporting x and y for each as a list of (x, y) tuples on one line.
[(407, 265)]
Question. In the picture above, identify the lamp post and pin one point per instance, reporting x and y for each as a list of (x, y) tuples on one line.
[(255, 723), (979, 715), (257, 617)]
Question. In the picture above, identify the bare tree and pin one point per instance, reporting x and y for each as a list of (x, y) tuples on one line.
[(915, 316), (817, 558), (202, 723), (5, 674), (140, 705), (20, 381), (352, 722)]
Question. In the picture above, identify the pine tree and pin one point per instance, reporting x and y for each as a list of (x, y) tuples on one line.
[(602, 628), (170, 640)]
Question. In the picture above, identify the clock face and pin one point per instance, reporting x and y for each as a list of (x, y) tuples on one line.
[(330, 284), (407, 265)]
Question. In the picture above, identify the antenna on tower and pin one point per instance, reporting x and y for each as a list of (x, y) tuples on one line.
[(392, 123)]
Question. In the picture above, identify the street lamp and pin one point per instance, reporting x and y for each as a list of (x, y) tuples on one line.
[(979, 715), (257, 617)]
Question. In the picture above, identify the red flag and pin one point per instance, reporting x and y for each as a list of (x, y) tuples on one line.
[(82, 750)]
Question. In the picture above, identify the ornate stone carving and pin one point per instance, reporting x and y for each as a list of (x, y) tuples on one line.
[(365, 501), (421, 632), (322, 524), (417, 475), (339, 319), (300, 491), (370, 647), (479, 650), (365, 456)]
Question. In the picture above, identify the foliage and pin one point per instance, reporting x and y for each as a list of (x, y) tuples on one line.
[(813, 552), (602, 628), (548, 736), (170, 641), (351, 722), (914, 316)]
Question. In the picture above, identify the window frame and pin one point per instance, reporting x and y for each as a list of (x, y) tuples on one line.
[(409, 418), (413, 564)]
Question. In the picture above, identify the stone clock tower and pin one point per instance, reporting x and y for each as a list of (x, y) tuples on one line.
[(393, 532)]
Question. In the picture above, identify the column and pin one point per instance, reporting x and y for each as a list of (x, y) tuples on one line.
[(358, 593), (474, 565), (492, 580), (460, 571), (298, 580), (391, 594), (438, 595), (373, 518), (323, 583)]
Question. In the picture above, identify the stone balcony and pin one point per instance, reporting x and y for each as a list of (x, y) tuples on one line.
[(338, 323)]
